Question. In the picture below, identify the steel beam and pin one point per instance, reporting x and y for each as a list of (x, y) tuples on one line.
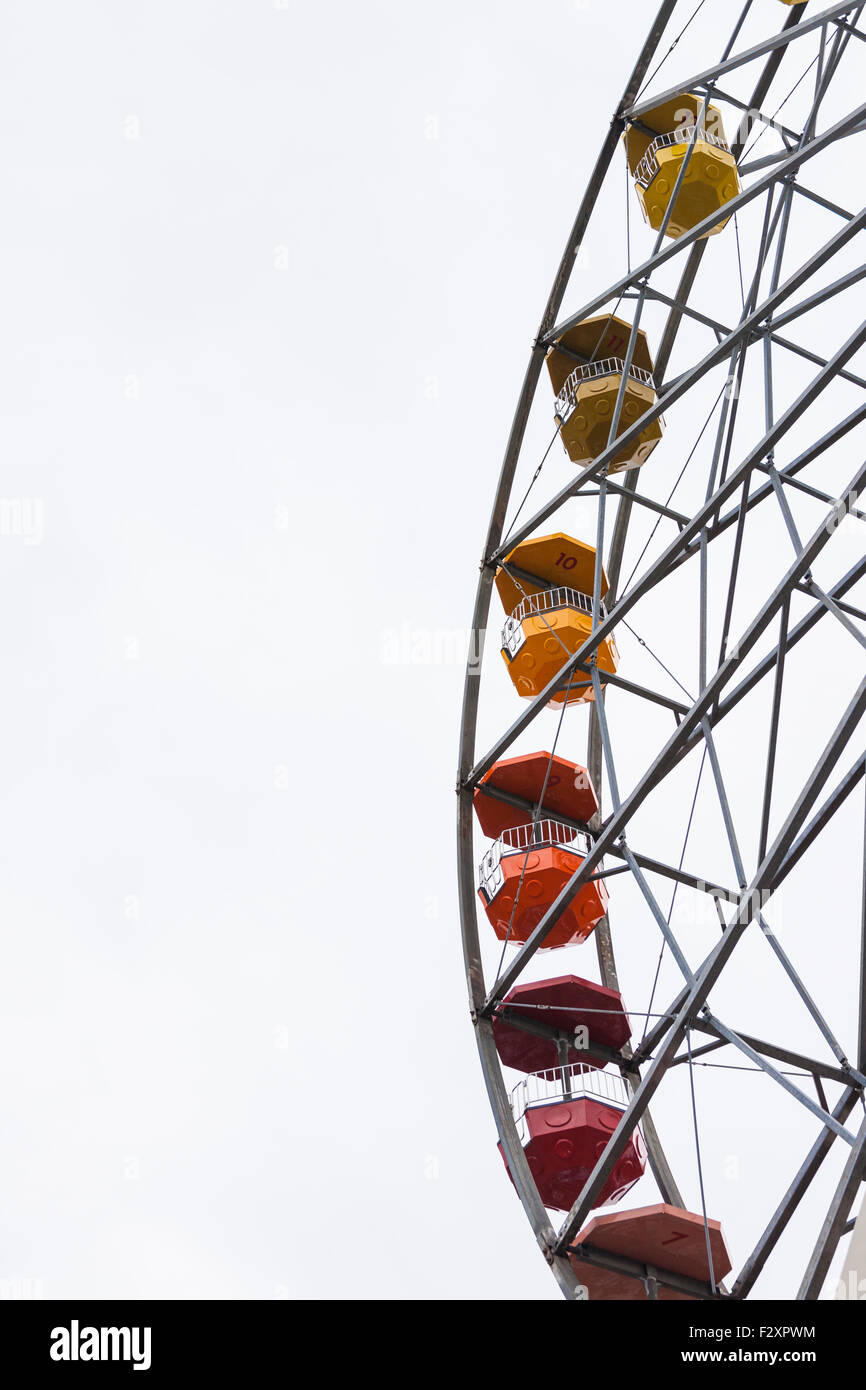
[(618, 822), (834, 1222), (784, 170), (689, 379), (709, 972), (659, 569), (634, 1269), (748, 55), (781, 1054), (794, 1195)]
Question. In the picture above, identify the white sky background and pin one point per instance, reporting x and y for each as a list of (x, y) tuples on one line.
[(269, 283)]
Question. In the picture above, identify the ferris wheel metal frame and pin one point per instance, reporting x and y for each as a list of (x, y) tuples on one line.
[(735, 491)]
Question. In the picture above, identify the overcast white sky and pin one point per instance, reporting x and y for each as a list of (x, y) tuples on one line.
[(271, 273)]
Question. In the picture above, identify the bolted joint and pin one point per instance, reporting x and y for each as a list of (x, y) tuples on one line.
[(547, 1250)]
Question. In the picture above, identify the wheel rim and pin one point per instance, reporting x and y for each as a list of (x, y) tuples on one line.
[(741, 467)]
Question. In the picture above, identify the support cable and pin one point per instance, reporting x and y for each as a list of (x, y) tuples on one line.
[(700, 1166)]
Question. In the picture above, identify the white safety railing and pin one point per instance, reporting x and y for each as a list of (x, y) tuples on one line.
[(588, 371), (542, 834), (561, 1084), (520, 839), (544, 602), (491, 875), (512, 637), (547, 599), (686, 135)]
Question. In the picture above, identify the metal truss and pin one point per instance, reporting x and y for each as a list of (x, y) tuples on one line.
[(742, 483)]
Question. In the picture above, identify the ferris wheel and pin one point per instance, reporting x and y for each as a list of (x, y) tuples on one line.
[(662, 736)]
